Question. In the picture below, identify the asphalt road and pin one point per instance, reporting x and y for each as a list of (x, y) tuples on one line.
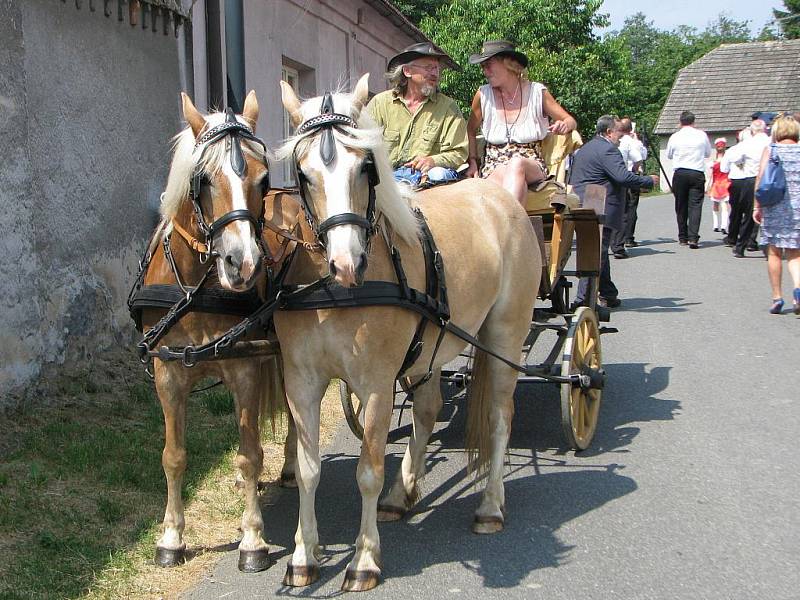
[(690, 488)]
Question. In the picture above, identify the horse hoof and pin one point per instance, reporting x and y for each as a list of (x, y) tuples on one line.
[(486, 525), (288, 480), (360, 581), (253, 561), (387, 513), (300, 576), (167, 557)]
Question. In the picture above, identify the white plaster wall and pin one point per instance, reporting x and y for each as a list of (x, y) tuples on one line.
[(88, 105), (326, 36)]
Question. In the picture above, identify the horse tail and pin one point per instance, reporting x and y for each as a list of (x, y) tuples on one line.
[(479, 404), (272, 403)]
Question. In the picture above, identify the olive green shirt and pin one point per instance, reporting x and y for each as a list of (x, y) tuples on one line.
[(437, 129)]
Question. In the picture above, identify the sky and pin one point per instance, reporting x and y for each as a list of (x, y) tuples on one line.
[(668, 14)]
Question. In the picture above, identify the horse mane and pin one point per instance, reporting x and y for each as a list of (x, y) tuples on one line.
[(393, 201), (185, 158)]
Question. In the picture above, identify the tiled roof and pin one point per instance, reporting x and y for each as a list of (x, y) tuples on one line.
[(730, 83)]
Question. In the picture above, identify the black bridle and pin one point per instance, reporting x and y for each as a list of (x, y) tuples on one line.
[(236, 130), (325, 122)]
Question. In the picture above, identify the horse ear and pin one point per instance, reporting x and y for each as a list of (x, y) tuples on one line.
[(250, 110), (361, 93), (291, 103), (192, 115)]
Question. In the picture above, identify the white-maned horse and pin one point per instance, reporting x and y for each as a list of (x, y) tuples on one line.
[(209, 216), (492, 265)]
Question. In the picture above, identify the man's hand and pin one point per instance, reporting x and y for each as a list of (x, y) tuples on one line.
[(421, 163), (655, 179)]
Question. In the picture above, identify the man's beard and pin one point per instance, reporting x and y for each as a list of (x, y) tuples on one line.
[(427, 89)]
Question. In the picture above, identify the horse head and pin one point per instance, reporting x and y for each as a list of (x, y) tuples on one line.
[(221, 167), (344, 177)]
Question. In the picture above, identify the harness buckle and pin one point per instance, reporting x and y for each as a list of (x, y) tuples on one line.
[(187, 361)]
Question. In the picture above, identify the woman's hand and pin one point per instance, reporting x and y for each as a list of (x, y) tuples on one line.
[(757, 216), (472, 169), (561, 127)]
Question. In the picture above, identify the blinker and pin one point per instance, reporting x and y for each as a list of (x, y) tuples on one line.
[(238, 164), (327, 145)]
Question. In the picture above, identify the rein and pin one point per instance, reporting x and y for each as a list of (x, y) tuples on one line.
[(324, 123)]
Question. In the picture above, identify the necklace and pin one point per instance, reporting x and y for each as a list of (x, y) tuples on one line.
[(505, 117), (513, 100)]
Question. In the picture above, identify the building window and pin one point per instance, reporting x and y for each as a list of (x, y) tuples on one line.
[(292, 77)]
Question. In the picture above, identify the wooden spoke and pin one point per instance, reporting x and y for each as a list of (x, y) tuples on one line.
[(580, 408)]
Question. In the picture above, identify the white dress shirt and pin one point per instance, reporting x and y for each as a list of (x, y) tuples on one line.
[(633, 151), (743, 159), (689, 148)]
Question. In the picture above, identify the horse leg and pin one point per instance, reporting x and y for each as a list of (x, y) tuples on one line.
[(288, 478), (173, 386), (364, 571), (243, 380), (405, 490), (304, 392), (493, 390)]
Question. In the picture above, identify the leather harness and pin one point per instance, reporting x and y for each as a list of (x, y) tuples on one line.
[(431, 305)]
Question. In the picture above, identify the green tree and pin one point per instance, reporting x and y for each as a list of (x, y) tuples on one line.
[(416, 10), (789, 20), (584, 73)]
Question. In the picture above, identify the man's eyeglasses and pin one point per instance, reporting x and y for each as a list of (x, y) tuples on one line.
[(427, 69)]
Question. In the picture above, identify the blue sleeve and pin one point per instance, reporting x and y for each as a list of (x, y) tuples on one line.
[(615, 168)]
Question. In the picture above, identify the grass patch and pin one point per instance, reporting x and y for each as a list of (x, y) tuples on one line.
[(82, 492)]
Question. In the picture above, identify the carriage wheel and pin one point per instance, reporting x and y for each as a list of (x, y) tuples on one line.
[(580, 407), (353, 409)]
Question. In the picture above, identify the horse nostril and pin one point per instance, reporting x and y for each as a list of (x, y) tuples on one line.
[(332, 267)]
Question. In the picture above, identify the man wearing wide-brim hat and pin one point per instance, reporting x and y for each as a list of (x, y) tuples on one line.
[(424, 130)]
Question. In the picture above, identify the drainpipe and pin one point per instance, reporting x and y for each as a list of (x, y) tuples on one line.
[(234, 53)]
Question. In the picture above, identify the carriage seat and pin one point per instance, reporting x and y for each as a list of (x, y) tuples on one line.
[(553, 194)]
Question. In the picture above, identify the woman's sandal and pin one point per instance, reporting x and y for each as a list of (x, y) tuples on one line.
[(777, 306)]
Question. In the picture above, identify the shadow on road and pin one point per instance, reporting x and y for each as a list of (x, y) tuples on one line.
[(656, 305), (540, 501)]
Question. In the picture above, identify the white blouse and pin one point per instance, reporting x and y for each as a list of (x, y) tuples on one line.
[(531, 125)]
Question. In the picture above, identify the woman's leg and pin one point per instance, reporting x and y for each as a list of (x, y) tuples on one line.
[(715, 214), (518, 174), (774, 270), (793, 264)]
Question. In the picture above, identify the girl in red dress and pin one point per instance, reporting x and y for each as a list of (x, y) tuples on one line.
[(718, 186)]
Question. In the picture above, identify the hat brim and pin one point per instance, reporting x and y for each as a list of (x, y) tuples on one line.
[(406, 57), (477, 59)]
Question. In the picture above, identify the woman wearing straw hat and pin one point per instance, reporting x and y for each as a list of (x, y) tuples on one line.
[(513, 114)]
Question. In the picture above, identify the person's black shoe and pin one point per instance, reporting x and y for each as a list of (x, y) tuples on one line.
[(737, 254), (753, 248), (609, 302), (631, 244), (723, 231), (621, 254), (683, 243), (694, 245), (728, 242), (576, 305), (716, 229)]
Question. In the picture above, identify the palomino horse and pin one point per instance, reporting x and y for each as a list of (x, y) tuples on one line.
[(208, 240), (492, 265)]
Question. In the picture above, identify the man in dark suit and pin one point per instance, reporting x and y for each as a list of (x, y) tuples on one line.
[(600, 162)]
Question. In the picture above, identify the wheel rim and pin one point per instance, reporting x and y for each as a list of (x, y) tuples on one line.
[(353, 410), (580, 408)]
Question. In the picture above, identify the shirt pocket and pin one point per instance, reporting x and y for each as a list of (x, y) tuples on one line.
[(391, 137), (431, 138)]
